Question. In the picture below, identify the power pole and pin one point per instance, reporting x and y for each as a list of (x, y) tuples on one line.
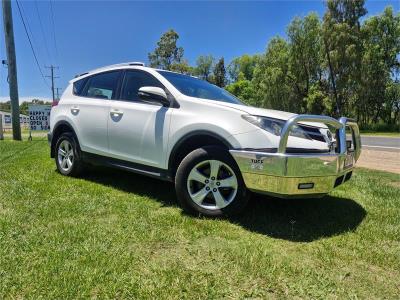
[(57, 92), (12, 68), (52, 80)]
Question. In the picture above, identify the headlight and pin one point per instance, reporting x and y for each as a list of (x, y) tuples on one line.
[(271, 125)]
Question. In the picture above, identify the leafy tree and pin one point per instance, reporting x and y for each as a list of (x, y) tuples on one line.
[(243, 89), (204, 66), (166, 53), (271, 84), (183, 67), (305, 57), (343, 49), (220, 73), (244, 65)]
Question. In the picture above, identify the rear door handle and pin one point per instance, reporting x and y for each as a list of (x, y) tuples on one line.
[(74, 110), (116, 112)]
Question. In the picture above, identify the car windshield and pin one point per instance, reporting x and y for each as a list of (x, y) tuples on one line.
[(194, 87)]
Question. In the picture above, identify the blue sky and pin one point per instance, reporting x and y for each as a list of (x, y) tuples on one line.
[(91, 34)]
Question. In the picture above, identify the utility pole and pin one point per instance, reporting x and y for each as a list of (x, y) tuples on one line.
[(52, 80), (58, 93), (12, 68)]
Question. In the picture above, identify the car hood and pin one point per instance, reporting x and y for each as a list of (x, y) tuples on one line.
[(271, 113)]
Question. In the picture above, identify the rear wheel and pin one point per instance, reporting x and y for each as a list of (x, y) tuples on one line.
[(68, 156), (209, 182)]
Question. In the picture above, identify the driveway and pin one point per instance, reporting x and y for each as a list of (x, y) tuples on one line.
[(380, 153)]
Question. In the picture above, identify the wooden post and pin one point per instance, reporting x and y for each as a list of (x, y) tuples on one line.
[(1, 127), (12, 68)]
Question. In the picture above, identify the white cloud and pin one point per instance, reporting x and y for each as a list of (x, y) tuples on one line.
[(29, 99)]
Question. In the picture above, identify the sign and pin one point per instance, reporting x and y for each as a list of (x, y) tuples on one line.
[(7, 119), (39, 117)]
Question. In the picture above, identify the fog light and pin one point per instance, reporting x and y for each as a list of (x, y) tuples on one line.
[(305, 186)]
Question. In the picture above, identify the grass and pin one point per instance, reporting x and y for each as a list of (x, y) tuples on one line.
[(377, 133), (111, 234)]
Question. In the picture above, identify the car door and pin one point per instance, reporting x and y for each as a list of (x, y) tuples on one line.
[(89, 110), (138, 130)]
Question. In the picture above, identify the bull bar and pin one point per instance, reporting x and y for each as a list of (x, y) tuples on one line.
[(287, 175)]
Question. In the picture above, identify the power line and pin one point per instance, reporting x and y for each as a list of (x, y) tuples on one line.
[(42, 30), (30, 43), (54, 28)]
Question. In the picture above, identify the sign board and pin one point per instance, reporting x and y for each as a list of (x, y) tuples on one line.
[(7, 119), (39, 117)]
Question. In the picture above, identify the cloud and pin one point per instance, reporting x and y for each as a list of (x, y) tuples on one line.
[(28, 99)]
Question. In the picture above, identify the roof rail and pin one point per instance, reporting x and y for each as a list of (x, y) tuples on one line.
[(132, 63)]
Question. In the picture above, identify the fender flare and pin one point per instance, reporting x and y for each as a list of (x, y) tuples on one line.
[(187, 136), (54, 135)]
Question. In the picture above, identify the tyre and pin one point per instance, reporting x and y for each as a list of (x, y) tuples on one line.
[(68, 155), (208, 182)]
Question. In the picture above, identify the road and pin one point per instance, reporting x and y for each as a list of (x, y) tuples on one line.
[(381, 143), (380, 153)]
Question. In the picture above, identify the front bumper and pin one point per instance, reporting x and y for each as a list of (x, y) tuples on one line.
[(289, 175)]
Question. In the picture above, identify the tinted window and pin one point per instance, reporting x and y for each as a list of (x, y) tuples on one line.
[(194, 87), (103, 86), (78, 86), (133, 81)]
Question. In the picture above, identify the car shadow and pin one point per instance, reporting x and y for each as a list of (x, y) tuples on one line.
[(297, 220)]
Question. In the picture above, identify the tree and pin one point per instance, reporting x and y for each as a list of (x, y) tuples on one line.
[(166, 53), (244, 65), (305, 57), (204, 66), (243, 89), (183, 67), (343, 49), (271, 83), (220, 73)]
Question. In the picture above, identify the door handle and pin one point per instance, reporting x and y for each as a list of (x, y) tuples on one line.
[(116, 112), (74, 110)]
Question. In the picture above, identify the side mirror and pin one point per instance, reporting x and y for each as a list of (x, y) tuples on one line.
[(153, 94)]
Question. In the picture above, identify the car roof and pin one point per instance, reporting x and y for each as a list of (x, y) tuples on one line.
[(126, 65)]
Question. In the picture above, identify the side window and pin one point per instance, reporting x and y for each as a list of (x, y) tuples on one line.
[(133, 81), (78, 86), (103, 86)]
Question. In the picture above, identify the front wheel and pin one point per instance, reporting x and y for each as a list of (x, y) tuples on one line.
[(68, 156), (208, 182)]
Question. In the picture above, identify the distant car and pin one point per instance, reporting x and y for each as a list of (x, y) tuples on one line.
[(185, 130)]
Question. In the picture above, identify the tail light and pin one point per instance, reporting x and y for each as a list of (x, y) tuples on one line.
[(54, 103)]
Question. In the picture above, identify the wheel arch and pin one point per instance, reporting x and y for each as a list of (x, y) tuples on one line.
[(192, 141), (61, 127)]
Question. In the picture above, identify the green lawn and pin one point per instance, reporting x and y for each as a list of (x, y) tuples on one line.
[(112, 234), (377, 133)]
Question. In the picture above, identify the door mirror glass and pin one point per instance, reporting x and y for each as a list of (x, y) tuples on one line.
[(154, 95)]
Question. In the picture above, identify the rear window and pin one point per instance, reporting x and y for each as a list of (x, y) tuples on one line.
[(102, 86), (78, 86)]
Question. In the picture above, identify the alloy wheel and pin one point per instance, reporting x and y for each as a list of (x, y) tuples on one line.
[(212, 184), (65, 156)]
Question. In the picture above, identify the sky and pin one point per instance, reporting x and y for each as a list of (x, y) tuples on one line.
[(78, 36)]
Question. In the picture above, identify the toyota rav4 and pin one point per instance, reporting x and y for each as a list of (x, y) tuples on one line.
[(211, 145)]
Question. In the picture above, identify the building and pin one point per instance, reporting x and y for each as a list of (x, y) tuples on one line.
[(7, 121)]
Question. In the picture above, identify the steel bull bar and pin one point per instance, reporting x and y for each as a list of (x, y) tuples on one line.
[(288, 175)]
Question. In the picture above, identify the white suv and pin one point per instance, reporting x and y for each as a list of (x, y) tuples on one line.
[(182, 129)]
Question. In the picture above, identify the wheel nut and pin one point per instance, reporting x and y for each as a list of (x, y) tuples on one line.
[(218, 183), (207, 188), (214, 190), (206, 181), (213, 178)]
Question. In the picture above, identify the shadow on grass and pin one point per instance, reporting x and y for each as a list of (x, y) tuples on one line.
[(298, 220)]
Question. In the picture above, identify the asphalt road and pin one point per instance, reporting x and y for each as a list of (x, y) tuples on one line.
[(381, 143)]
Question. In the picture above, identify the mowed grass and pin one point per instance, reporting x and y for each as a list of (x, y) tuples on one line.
[(112, 234)]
